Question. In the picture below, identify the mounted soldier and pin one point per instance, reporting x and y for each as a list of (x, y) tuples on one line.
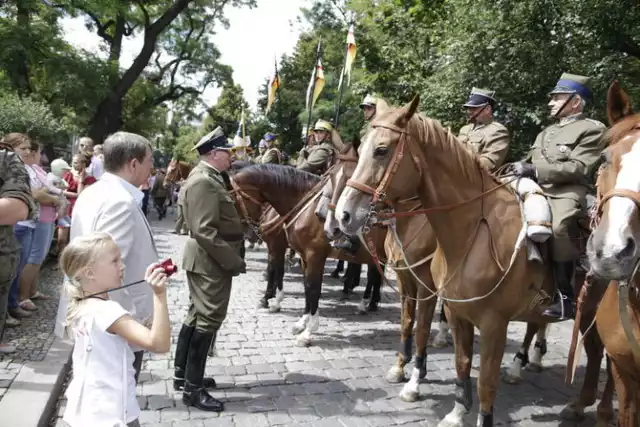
[(272, 153), (561, 160), (242, 148), (483, 135), (315, 157)]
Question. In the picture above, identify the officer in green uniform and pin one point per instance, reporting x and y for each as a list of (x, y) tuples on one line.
[(16, 204), (211, 258), (561, 160), (179, 228), (272, 153), (315, 158), (483, 135)]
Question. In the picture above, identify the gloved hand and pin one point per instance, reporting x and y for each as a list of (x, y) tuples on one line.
[(524, 170)]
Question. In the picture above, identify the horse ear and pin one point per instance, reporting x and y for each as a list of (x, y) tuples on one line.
[(618, 103), (408, 110)]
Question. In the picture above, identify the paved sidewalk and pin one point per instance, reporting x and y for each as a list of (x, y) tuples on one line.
[(266, 380)]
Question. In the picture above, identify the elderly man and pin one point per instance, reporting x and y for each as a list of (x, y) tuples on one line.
[(112, 205), (561, 160), (483, 135), (16, 204), (212, 257)]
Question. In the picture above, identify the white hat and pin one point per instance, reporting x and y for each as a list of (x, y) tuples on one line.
[(59, 166)]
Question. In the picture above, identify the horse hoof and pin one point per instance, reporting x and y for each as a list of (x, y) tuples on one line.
[(263, 303), (450, 423), (362, 307), (295, 329), (423, 373), (396, 375), (511, 379), (274, 309), (572, 412), (410, 396), (534, 367), (303, 341)]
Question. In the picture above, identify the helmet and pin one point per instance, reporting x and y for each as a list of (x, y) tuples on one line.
[(369, 101), (269, 136), (59, 166), (323, 125)]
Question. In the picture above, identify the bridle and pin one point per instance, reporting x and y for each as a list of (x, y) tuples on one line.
[(240, 195)]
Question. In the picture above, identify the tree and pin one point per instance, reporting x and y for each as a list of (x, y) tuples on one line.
[(228, 110)]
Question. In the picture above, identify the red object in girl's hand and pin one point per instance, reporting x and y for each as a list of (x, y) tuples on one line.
[(169, 267)]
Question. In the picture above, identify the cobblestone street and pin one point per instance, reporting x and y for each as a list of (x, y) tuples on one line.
[(266, 380)]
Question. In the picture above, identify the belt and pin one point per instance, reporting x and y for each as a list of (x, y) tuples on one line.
[(227, 237)]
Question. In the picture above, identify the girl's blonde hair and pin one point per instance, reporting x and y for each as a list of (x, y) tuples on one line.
[(79, 254)]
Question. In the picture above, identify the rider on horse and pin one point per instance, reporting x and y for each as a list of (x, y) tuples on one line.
[(483, 135), (272, 153), (315, 158), (561, 160)]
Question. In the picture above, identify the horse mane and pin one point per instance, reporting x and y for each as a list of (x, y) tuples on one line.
[(283, 177), (426, 129), (619, 130), (238, 165)]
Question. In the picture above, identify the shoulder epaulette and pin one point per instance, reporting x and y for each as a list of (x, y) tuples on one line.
[(596, 122)]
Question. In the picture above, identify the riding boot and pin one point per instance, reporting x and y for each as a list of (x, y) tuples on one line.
[(351, 244), (563, 303), (180, 362), (195, 394)]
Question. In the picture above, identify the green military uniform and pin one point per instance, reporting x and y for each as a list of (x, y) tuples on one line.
[(315, 159), (180, 228), (272, 155), (490, 140), (14, 184), (564, 156), (212, 256)]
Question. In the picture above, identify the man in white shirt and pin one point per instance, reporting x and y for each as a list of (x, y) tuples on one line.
[(112, 205)]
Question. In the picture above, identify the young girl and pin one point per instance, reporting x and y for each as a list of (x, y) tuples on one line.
[(102, 392)]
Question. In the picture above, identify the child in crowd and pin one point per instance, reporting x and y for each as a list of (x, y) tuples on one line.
[(54, 178), (102, 392)]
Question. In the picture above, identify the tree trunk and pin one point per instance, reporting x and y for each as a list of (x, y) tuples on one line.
[(108, 116), (21, 75)]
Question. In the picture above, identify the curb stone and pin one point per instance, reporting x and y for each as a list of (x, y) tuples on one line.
[(39, 384)]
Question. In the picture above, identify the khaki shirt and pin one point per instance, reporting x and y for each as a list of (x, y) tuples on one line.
[(214, 225), (565, 154), (272, 155), (317, 158), (490, 141)]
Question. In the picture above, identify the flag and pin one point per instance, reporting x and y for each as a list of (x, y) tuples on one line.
[(274, 85), (316, 85), (350, 57), (241, 132)]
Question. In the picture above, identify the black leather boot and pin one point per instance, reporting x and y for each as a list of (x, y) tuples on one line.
[(180, 362), (194, 393), (563, 306)]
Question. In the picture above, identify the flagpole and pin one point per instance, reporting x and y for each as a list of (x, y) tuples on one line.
[(344, 69), (313, 88)]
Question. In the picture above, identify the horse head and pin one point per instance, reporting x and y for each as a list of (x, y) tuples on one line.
[(613, 245), (383, 172)]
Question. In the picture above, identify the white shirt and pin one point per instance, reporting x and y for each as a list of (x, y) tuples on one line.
[(102, 392), (96, 168)]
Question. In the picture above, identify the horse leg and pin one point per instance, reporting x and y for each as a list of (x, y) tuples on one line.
[(426, 307), (339, 269), (605, 407), (270, 291), (462, 331), (627, 400), (440, 341), (313, 289), (539, 349), (301, 324), (493, 339), (351, 279), (278, 278), (521, 359), (407, 317), (375, 278)]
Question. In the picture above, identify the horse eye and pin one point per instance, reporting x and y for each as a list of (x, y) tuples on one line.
[(381, 151)]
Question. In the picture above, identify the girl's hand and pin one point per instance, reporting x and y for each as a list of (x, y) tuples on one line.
[(157, 278)]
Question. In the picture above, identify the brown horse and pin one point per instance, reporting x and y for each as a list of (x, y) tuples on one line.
[(177, 170), (614, 255), (293, 194), (480, 268)]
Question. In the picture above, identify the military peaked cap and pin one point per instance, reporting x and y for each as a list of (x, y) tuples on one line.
[(573, 83), (215, 140), (480, 98)]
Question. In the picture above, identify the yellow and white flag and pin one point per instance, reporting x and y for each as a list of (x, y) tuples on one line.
[(350, 57), (274, 85), (316, 84)]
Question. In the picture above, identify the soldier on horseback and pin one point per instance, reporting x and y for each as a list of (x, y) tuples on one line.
[(561, 161), (315, 158), (483, 135), (272, 153)]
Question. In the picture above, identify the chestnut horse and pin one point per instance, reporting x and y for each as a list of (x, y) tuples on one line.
[(293, 194), (614, 254), (480, 267)]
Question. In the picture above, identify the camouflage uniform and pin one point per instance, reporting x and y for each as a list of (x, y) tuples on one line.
[(14, 184)]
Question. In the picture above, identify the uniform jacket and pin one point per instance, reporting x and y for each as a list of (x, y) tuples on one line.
[(317, 157), (215, 229), (489, 141), (565, 154), (271, 155)]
